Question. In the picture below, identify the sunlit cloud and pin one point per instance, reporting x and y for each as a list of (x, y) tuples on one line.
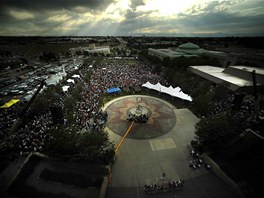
[(21, 14), (58, 18), (169, 7)]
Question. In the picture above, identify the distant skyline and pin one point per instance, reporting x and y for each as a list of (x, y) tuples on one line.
[(131, 18)]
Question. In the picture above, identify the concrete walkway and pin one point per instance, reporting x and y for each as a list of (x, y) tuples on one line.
[(142, 161)]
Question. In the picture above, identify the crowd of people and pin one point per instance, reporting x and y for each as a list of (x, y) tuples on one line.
[(33, 133), (8, 118), (30, 134), (164, 187), (109, 75), (142, 118), (196, 160)]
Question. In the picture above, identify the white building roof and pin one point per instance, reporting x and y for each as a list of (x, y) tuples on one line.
[(249, 69), (219, 75)]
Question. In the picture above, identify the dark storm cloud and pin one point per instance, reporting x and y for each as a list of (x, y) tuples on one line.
[(222, 17), (222, 22), (136, 3), (52, 4), (131, 15), (216, 16), (41, 8)]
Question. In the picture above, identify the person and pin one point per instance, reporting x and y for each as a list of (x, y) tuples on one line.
[(208, 166), (163, 175)]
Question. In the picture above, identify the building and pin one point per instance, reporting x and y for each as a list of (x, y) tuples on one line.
[(238, 78), (184, 50), (100, 50)]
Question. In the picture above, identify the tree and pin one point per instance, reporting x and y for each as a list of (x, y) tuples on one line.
[(86, 53), (69, 103), (202, 104), (217, 131), (88, 75), (62, 141), (76, 92), (166, 62), (66, 143), (157, 68), (95, 147), (221, 91), (78, 52), (24, 60)]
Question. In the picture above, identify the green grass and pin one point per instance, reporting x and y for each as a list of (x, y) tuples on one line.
[(89, 60)]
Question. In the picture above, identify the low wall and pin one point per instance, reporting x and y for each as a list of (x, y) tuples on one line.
[(22, 165), (218, 171), (106, 180), (103, 189)]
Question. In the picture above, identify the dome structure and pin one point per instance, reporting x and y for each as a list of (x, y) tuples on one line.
[(189, 46)]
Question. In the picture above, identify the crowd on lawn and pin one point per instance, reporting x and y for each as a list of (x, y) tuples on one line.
[(8, 118), (32, 134), (110, 75)]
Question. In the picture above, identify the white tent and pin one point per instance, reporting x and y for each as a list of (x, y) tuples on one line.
[(28, 97), (158, 87), (76, 76), (70, 81), (65, 88), (175, 92), (148, 85)]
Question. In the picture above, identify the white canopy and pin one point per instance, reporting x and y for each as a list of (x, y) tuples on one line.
[(148, 85), (70, 81), (76, 76), (65, 88), (175, 92)]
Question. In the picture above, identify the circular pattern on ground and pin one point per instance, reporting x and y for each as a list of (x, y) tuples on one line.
[(161, 117)]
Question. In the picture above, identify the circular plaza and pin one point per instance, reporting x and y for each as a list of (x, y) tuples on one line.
[(160, 116)]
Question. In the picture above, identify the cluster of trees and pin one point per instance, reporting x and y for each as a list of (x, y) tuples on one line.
[(69, 144), (216, 132), (184, 62), (48, 57)]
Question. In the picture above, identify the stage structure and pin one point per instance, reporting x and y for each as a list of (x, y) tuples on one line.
[(139, 113)]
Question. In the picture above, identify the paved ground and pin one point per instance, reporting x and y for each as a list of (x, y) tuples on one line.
[(142, 161)]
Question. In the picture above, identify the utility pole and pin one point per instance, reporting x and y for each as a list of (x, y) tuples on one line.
[(255, 91)]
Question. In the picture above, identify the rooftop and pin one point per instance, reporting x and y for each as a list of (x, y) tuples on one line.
[(234, 75), (189, 46)]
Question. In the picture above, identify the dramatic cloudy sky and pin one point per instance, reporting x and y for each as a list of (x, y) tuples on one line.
[(132, 17)]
